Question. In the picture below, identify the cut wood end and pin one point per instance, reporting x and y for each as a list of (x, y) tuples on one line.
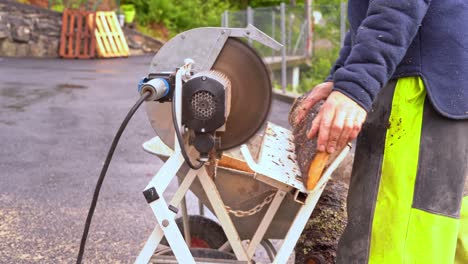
[(235, 164), (316, 169)]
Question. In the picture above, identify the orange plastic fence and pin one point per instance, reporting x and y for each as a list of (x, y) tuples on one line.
[(77, 40)]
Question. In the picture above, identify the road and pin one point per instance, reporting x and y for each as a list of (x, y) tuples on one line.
[(57, 120)]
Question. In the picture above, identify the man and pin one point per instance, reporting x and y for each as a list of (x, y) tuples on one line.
[(403, 71)]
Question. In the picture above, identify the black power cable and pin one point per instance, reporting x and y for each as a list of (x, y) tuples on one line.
[(132, 111), (180, 140)]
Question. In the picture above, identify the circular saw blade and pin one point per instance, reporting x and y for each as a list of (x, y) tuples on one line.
[(250, 93), (251, 96)]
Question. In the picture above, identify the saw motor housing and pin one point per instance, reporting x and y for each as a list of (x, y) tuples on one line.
[(205, 101), (205, 104)]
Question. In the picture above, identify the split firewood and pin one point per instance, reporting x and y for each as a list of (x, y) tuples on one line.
[(319, 239), (311, 163)]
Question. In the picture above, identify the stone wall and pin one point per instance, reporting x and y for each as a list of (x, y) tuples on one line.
[(139, 43), (28, 31)]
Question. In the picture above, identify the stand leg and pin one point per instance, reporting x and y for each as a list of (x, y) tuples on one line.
[(265, 223), (185, 220), (201, 208), (297, 226), (161, 180), (162, 212), (218, 206), (150, 246), (165, 218)]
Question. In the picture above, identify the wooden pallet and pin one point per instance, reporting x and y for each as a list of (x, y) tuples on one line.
[(109, 36), (77, 40)]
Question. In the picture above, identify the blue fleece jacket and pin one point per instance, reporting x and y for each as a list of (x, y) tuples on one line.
[(389, 39)]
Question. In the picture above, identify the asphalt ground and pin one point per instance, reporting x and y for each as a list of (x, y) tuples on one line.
[(57, 120)]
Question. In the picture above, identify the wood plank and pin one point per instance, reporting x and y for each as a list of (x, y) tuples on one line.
[(90, 31), (79, 28), (104, 49), (71, 30), (85, 40), (111, 35), (105, 27), (110, 40), (62, 33), (233, 163), (77, 38), (114, 34), (125, 50)]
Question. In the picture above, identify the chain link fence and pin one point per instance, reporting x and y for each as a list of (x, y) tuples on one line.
[(317, 41), (270, 20)]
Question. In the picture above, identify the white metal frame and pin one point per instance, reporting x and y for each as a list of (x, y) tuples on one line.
[(167, 227), (276, 145)]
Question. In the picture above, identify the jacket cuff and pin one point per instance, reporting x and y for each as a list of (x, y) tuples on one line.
[(329, 78), (355, 92)]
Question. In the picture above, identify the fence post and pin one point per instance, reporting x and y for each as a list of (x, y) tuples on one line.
[(250, 17), (308, 10), (273, 27), (225, 19), (289, 41), (342, 22), (283, 50), (250, 20)]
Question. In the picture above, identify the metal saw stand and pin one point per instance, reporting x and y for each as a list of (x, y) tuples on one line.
[(276, 166)]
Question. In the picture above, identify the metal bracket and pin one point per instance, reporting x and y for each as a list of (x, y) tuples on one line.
[(173, 209), (151, 195), (209, 42), (256, 34)]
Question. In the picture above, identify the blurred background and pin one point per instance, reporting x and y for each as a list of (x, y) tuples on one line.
[(311, 31)]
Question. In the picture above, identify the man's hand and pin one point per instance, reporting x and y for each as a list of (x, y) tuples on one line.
[(339, 121), (319, 92)]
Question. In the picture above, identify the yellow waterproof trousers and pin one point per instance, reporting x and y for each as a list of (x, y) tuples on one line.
[(408, 183)]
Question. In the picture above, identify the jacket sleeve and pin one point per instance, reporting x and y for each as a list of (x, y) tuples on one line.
[(344, 53), (380, 44)]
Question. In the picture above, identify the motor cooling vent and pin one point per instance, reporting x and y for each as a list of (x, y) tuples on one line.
[(203, 105)]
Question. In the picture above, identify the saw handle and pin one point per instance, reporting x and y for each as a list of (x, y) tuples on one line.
[(316, 169)]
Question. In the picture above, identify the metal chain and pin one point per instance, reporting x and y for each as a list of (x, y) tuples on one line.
[(254, 210)]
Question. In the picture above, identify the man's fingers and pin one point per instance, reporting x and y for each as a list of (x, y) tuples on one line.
[(328, 115), (306, 105), (314, 128), (318, 93), (338, 122), (336, 129), (347, 130), (359, 121)]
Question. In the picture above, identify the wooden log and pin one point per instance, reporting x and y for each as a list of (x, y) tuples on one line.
[(319, 240), (311, 163)]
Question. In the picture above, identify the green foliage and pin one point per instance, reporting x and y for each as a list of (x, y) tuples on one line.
[(262, 3), (57, 8), (154, 16), (321, 64), (323, 57), (179, 15), (60, 5)]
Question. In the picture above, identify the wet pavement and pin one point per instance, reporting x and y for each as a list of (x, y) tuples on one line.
[(57, 120)]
